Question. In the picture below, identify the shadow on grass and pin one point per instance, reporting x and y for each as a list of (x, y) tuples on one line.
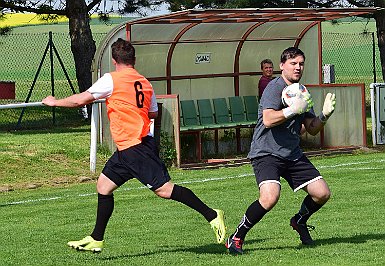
[(220, 248), (205, 249), (356, 239)]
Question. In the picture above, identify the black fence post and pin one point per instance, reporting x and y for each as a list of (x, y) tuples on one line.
[(33, 85), (374, 58), (52, 75)]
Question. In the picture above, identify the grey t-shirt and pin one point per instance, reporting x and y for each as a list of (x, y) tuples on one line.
[(282, 140)]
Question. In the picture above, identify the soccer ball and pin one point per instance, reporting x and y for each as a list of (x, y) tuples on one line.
[(291, 91)]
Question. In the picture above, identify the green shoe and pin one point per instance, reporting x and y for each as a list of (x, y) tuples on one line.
[(87, 244), (218, 225)]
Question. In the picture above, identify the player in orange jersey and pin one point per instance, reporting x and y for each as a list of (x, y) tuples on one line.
[(131, 103)]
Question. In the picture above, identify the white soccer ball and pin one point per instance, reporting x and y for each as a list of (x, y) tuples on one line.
[(292, 91)]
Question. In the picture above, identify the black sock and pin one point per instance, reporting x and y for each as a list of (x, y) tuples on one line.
[(187, 197), (253, 215), (308, 207), (103, 214)]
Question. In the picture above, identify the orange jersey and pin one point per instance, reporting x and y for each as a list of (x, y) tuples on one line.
[(128, 108)]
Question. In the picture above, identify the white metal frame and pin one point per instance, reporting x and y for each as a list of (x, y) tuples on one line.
[(95, 125), (377, 137)]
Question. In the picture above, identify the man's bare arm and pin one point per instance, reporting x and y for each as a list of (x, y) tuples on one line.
[(76, 100)]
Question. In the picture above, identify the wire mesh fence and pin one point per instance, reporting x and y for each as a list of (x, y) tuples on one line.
[(355, 57), (25, 76), (352, 55)]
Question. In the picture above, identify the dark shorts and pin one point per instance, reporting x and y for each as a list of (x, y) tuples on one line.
[(141, 162), (298, 173)]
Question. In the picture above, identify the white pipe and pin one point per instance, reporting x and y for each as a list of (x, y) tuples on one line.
[(33, 104), (94, 136), (372, 85), (373, 114), (20, 105), (94, 125)]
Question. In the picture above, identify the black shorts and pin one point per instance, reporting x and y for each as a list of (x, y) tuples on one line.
[(141, 162), (297, 173)]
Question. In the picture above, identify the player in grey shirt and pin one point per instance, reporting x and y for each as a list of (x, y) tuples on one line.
[(275, 152), (281, 140)]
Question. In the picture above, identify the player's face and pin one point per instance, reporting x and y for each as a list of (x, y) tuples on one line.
[(292, 69), (267, 70)]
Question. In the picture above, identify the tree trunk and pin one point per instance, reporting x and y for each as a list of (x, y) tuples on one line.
[(82, 44), (380, 24)]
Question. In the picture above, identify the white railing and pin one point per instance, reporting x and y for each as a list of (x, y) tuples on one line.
[(95, 125), (376, 107)]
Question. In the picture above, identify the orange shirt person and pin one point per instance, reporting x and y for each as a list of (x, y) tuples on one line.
[(131, 103)]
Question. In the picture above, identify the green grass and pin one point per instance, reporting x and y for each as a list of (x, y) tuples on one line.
[(45, 157), (146, 230)]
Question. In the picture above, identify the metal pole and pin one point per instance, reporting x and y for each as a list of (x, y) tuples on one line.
[(95, 122), (33, 85), (374, 58), (95, 127), (52, 75), (20, 105), (94, 136), (373, 114), (63, 67)]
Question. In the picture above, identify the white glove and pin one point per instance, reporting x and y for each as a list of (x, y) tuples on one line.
[(328, 108), (300, 105)]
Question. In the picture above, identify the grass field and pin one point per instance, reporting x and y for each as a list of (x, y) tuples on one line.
[(146, 230)]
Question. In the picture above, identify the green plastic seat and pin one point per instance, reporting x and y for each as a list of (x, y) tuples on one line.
[(237, 111), (189, 114), (251, 107), (221, 113), (206, 114)]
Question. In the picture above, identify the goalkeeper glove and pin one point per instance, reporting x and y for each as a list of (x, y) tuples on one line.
[(328, 108), (301, 103)]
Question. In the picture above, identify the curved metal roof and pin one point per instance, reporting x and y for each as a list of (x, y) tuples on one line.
[(231, 27), (255, 15)]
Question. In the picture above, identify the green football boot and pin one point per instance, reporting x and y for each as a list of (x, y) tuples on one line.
[(218, 225), (87, 244)]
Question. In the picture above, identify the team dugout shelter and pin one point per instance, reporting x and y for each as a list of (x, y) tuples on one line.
[(206, 54)]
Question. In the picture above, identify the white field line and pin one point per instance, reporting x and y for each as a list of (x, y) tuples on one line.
[(340, 166), (350, 164)]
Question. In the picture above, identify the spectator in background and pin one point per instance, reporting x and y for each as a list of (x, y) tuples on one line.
[(267, 76)]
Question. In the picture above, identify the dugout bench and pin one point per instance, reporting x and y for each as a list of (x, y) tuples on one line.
[(215, 114)]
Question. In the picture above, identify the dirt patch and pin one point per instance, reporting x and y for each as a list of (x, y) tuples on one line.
[(6, 188), (56, 182)]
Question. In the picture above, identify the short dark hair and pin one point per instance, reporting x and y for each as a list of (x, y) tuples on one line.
[(290, 53), (266, 61), (123, 52)]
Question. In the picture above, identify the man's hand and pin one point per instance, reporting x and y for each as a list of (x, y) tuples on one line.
[(307, 97), (49, 101), (328, 108), (300, 105), (329, 104)]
